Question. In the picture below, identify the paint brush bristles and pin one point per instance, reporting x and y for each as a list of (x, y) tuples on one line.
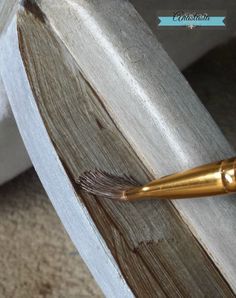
[(106, 185), (207, 180)]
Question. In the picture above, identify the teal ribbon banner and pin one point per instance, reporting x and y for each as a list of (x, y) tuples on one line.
[(171, 21)]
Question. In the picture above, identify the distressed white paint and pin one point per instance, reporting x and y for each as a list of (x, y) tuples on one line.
[(153, 106), (71, 211), (144, 92)]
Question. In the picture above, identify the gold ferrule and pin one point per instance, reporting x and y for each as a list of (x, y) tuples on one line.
[(207, 180)]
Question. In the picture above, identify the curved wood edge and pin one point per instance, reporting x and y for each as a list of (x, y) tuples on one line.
[(71, 211), (143, 209), (155, 251), (156, 99)]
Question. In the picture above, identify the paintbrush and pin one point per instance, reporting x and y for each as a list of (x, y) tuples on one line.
[(207, 180)]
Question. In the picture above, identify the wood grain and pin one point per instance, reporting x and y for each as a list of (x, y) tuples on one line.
[(71, 211), (156, 252), (168, 127)]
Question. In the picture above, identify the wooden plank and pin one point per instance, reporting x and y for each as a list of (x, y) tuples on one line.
[(143, 90), (81, 115), (71, 108), (155, 251), (71, 211)]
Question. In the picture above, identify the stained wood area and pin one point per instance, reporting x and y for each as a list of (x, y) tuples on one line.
[(156, 252)]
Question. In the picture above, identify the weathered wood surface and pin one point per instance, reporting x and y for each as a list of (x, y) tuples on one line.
[(114, 51), (123, 130), (71, 211)]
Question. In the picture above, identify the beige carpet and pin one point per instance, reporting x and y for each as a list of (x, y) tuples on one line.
[(37, 259)]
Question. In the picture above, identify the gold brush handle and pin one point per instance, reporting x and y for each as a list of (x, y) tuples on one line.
[(207, 180)]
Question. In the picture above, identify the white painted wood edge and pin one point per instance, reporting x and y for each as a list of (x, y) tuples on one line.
[(71, 211), (143, 90)]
